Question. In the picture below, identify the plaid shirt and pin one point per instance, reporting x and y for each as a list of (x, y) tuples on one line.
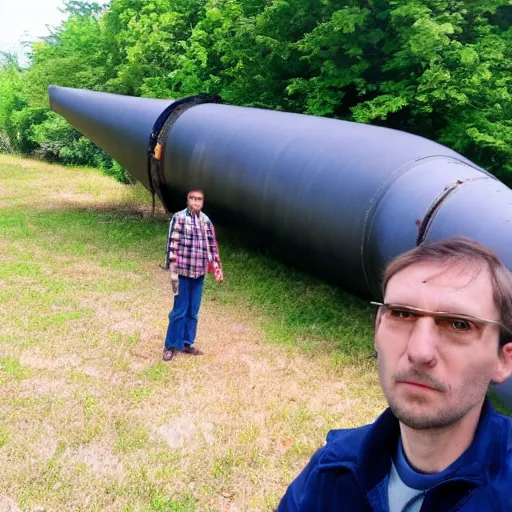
[(188, 251)]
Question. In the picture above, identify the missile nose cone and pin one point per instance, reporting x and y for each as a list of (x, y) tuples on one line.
[(120, 125)]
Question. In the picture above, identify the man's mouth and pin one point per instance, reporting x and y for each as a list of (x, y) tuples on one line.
[(417, 384)]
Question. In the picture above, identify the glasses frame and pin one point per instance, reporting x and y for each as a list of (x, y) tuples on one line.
[(441, 314)]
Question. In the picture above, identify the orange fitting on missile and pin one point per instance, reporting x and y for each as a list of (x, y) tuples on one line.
[(158, 151)]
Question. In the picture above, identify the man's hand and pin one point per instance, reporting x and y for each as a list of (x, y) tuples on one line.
[(175, 286), (219, 275)]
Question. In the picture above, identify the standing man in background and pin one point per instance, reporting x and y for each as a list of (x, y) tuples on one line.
[(193, 252)]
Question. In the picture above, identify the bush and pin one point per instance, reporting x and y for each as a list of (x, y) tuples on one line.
[(58, 141), (119, 173), (24, 123), (5, 146)]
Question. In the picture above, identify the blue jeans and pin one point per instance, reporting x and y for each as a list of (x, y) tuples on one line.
[(183, 317)]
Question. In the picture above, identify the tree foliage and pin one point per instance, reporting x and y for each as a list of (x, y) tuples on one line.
[(438, 68), (11, 101)]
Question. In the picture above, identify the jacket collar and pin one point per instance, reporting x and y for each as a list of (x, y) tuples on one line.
[(367, 452)]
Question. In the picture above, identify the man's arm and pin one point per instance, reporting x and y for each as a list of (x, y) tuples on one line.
[(212, 242), (214, 250)]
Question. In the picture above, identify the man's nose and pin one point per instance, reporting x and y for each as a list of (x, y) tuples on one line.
[(423, 342)]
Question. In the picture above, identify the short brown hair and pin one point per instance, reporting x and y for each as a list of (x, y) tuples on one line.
[(463, 250), (195, 190)]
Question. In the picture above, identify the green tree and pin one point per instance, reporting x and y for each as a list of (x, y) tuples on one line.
[(11, 100), (75, 55), (438, 68), (151, 34), (80, 53)]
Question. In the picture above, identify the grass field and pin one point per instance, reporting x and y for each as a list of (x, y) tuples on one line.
[(93, 420)]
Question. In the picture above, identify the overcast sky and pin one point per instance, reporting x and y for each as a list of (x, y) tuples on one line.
[(27, 20)]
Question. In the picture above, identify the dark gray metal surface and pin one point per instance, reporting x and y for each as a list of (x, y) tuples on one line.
[(341, 198), (118, 124), (314, 183)]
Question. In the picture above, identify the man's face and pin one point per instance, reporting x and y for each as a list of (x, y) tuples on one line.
[(195, 201), (434, 373)]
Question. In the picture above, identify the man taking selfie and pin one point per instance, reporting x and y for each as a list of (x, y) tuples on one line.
[(443, 333)]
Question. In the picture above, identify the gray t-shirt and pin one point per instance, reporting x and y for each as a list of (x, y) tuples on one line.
[(407, 487), (400, 494)]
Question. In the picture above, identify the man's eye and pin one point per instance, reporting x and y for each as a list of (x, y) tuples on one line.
[(459, 325), (400, 313)]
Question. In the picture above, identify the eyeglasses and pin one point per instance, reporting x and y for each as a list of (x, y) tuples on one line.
[(449, 323)]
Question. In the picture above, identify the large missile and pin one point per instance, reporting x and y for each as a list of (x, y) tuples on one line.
[(338, 197)]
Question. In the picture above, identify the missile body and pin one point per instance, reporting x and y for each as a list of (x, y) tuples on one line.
[(337, 197)]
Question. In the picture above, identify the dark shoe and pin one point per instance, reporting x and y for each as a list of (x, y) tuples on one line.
[(189, 349), (169, 354)]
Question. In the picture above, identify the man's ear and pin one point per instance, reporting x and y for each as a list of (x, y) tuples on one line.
[(503, 368), (378, 318)]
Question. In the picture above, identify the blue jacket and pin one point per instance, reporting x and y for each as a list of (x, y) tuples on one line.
[(350, 473)]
